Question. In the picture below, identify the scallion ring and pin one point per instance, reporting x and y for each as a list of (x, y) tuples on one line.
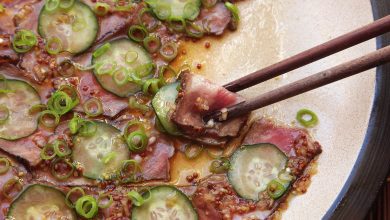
[(194, 30), (102, 197), (137, 33), (93, 107), (151, 86), (192, 151), (219, 166), (138, 199), (190, 11), (61, 103), (61, 168), (87, 206), (130, 170), (49, 119), (152, 43), (177, 25), (2, 9), (11, 185), (123, 8), (66, 69), (4, 114), (137, 141), (131, 57), (87, 128), (134, 104), (133, 125), (54, 45), (23, 41), (74, 190), (61, 148), (101, 50), (169, 51), (147, 12), (145, 70), (75, 124), (37, 108), (71, 91), (52, 5), (276, 189), (47, 152), (5, 165), (120, 76), (235, 14), (307, 118), (163, 10), (101, 8), (66, 4)]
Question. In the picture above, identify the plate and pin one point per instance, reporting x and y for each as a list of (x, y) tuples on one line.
[(354, 116)]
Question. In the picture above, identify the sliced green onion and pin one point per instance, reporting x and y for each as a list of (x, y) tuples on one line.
[(169, 51), (71, 91), (109, 157), (123, 7), (163, 11), (49, 119), (54, 45), (66, 69), (66, 4), (137, 199), (134, 104), (87, 128), (101, 50), (131, 57), (101, 8), (137, 33), (79, 24), (107, 67), (61, 103), (5, 165), (194, 30), (178, 26), (120, 76), (167, 75), (2, 9), (61, 163), (47, 152), (93, 107), (145, 70), (209, 3), (61, 149), (129, 171), (37, 108), (52, 5), (75, 124), (152, 43), (133, 125), (12, 184), (137, 141), (192, 151), (4, 114), (219, 166), (151, 85), (307, 118), (150, 26), (102, 197), (24, 40), (276, 189), (191, 11), (235, 14), (68, 200), (87, 206)]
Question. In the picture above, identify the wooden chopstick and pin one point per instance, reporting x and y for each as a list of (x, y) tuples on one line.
[(343, 42), (341, 71)]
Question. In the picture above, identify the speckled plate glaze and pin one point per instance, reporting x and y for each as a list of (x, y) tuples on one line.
[(354, 117)]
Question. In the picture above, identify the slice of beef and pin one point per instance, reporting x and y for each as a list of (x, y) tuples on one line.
[(198, 97), (155, 166), (215, 20)]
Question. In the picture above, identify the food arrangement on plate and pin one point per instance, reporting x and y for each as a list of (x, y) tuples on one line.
[(93, 118)]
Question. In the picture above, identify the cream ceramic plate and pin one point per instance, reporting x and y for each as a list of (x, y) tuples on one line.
[(271, 30)]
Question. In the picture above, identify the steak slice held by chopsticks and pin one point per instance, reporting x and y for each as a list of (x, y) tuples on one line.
[(198, 97)]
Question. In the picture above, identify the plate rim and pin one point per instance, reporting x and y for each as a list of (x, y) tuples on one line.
[(373, 163)]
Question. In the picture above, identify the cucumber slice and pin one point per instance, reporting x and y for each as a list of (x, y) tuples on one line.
[(101, 155), (166, 202), (117, 54), (164, 105), (40, 202), (18, 98), (76, 27), (253, 167), (175, 10)]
